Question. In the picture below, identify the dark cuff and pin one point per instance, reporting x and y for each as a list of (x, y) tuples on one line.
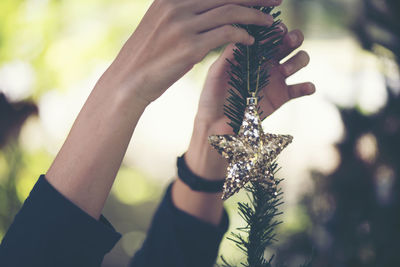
[(199, 240), (50, 230), (178, 239)]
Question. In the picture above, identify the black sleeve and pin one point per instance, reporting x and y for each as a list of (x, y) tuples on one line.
[(50, 231), (177, 239)]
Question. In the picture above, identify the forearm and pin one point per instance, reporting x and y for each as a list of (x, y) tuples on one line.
[(171, 38), (85, 167), (205, 162)]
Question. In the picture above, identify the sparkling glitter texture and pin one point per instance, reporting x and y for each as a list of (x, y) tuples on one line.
[(250, 153)]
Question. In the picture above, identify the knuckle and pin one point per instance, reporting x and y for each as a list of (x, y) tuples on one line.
[(174, 13), (228, 10), (243, 14), (185, 6), (228, 32), (171, 10), (242, 35), (285, 70), (260, 15)]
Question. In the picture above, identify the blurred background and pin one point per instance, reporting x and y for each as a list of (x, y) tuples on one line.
[(341, 173)]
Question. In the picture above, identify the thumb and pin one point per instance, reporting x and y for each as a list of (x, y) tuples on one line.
[(220, 67), (216, 86)]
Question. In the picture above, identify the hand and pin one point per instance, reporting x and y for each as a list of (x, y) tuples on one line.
[(210, 119), (175, 35)]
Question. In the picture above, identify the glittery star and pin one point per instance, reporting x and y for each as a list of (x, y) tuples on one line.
[(250, 153)]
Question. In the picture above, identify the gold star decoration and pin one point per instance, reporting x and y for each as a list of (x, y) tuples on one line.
[(250, 153)]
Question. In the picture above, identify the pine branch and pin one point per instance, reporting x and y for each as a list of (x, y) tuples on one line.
[(248, 71), (248, 74), (259, 215)]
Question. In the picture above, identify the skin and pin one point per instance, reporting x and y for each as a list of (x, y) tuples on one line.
[(172, 37), (204, 160)]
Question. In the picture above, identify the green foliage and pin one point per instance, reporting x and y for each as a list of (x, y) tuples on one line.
[(260, 218), (248, 74), (249, 70), (65, 43)]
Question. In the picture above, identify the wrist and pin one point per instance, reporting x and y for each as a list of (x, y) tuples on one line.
[(202, 159), (195, 182), (125, 87)]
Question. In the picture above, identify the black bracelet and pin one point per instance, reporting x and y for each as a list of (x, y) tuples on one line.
[(195, 182)]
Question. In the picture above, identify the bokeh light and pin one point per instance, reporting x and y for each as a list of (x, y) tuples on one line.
[(53, 52)]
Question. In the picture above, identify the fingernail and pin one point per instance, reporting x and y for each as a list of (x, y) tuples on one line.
[(310, 89), (252, 40), (281, 28)]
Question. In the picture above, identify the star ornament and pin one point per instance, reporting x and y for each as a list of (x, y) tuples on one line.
[(250, 153)]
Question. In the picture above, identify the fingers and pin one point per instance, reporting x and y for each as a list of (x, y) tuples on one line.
[(201, 6), (221, 65), (294, 64), (225, 34), (301, 89), (281, 30), (231, 14), (290, 42)]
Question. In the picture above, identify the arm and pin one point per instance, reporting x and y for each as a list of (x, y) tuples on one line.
[(170, 34), (201, 158), (191, 224), (54, 228)]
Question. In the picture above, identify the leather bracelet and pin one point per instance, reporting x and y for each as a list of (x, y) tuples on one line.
[(195, 182)]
